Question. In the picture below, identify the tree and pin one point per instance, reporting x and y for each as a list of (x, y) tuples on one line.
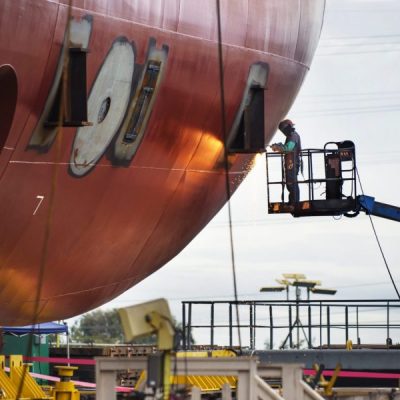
[(105, 327), (98, 327)]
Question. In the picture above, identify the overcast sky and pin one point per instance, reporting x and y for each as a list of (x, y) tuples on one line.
[(352, 92)]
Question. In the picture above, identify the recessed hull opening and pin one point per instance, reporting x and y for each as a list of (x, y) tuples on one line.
[(247, 133), (8, 101)]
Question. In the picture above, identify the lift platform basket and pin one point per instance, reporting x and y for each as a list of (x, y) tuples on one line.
[(326, 181)]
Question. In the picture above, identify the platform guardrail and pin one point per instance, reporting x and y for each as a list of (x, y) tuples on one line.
[(275, 324)]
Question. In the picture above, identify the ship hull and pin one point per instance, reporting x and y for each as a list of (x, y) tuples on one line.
[(70, 243)]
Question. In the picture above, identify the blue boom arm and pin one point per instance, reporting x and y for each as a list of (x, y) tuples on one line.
[(372, 207)]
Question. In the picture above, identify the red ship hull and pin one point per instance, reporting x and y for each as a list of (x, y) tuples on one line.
[(70, 243)]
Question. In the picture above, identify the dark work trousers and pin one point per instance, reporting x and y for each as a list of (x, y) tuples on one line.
[(291, 183)]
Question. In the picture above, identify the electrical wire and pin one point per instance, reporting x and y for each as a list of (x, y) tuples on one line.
[(378, 94), (351, 53), (363, 37), (352, 110), (244, 296), (49, 219), (378, 241), (226, 164)]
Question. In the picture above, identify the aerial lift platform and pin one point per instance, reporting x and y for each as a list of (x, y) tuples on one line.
[(327, 184)]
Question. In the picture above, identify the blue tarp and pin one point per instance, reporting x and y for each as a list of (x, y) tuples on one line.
[(39, 329)]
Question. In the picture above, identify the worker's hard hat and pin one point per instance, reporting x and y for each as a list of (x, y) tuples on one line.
[(285, 123)]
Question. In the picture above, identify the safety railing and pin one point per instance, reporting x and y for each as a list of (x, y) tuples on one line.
[(291, 324), (326, 180)]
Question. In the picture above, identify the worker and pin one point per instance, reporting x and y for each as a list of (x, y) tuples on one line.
[(292, 149)]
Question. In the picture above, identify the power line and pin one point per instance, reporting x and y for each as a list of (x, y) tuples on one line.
[(354, 94), (351, 53), (226, 162), (351, 109), (378, 242), (51, 207), (338, 112), (395, 35), (352, 99), (247, 295), (359, 44), (366, 11)]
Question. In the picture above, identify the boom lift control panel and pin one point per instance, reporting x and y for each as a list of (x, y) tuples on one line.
[(327, 185)]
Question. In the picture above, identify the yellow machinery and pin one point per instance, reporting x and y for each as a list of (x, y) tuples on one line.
[(19, 384), (326, 385), (8, 390), (22, 380), (149, 318), (204, 383), (155, 317), (65, 389)]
